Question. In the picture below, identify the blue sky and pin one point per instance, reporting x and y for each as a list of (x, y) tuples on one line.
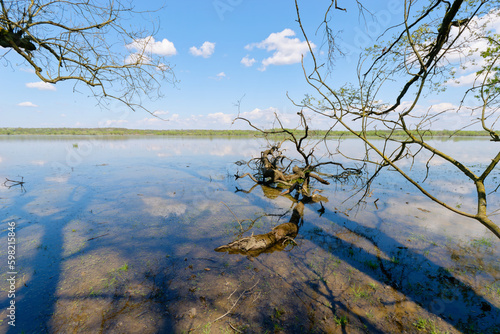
[(220, 50)]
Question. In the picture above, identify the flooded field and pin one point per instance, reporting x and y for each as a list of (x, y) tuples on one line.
[(118, 236)]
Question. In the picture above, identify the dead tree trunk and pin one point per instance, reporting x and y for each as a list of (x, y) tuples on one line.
[(276, 240)]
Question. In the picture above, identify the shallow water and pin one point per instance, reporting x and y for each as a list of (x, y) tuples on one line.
[(117, 235)]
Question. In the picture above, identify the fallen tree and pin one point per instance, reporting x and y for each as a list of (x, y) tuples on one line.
[(276, 240), (276, 171)]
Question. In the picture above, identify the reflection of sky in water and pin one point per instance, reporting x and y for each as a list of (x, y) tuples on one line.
[(48, 161), (145, 198), (75, 151), (40, 150), (172, 176)]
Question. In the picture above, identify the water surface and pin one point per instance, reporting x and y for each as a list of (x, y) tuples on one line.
[(116, 235)]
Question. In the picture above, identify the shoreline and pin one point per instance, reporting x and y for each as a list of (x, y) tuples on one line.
[(122, 132)]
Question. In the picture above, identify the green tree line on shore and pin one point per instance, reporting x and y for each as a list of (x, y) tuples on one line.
[(221, 133)]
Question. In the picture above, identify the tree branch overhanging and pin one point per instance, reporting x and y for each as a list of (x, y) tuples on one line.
[(86, 43), (417, 46)]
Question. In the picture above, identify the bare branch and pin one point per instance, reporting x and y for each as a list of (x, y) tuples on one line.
[(84, 42), (420, 50)]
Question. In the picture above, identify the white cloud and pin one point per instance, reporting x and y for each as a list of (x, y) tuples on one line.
[(220, 118), (137, 58), (469, 79), (266, 118), (152, 122), (471, 41), (287, 50), (157, 206), (162, 67), (40, 85), (443, 106), (442, 115), (149, 46), (161, 112), (263, 118), (205, 51), (112, 123), (219, 76), (267, 115), (248, 61), (27, 104), (58, 179)]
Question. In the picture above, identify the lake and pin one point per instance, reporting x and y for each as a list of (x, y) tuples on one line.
[(117, 235)]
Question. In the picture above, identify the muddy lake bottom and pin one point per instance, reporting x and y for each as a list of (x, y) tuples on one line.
[(118, 236)]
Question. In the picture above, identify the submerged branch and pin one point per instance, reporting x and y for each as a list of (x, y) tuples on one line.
[(13, 183), (269, 242)]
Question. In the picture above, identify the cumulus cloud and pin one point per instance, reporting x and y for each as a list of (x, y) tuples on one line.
[(162, 67), (261, 117), (220, 118), (469, 79), (266, 118), (160, 112), (443, 106), (205, 51), (40, 85), (137, 58), (149, 46), (219, 76), (151, 120), (468, 41), (247, 61), (58, 179), (287, 50), (260, 114), (439, 115), (27, 104), (157, 206), (112, 123), (431, 109)]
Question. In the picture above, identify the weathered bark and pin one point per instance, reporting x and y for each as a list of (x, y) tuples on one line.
[(276, 240), (270, 170)]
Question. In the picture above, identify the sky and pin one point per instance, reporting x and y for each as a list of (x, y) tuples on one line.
[(221, 52)]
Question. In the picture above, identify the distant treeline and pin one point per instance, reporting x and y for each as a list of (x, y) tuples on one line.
[(218, 133), (120, 132)]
